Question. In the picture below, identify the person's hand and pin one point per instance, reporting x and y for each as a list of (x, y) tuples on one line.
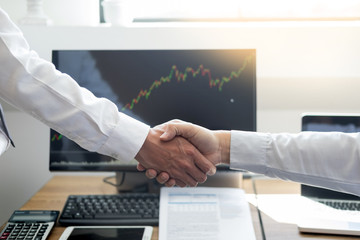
[(162, 178), (178, 158), (214, 145)]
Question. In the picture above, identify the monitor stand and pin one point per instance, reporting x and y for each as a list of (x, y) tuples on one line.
[(135, 182), (138, 182)]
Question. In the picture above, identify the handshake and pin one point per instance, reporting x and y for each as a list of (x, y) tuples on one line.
[(182, 153)]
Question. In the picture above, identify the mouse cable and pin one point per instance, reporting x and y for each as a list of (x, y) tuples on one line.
[(107, 180)]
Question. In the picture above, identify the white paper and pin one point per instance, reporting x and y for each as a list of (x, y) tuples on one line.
[(204, 213), (309, 215), (294, 208)]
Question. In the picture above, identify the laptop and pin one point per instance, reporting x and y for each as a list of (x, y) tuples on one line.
[(332, 212)]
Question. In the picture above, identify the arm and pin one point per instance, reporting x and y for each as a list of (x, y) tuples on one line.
[(330, 160), (34, 86)]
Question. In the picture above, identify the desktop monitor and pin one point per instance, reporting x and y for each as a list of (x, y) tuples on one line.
[(214, 88)]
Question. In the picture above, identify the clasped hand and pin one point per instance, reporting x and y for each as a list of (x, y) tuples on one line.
[(182, 153)]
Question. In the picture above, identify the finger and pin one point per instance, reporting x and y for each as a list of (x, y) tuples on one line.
[(170, 132), (189, 173), (162, 178), (196, 174), (170, 183), (183, 176), (191, 168), (187, 179), (180, 183), (161, 126), (151, 173), (140, 167), (204, 164), (178, 128)]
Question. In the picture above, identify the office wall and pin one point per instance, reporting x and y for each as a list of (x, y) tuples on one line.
[(24, 169), (15, 8), (301, 67), (77, 12)]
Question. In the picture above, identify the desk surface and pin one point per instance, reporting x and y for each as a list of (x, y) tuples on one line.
[(53, 195)]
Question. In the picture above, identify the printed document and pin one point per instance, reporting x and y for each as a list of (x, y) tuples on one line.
[(204, 213)]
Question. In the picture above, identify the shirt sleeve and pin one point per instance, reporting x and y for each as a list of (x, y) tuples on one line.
[(34, 86), (326, 159), (4, 142)]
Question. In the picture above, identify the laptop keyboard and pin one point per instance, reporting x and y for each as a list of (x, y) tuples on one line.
[(119, 209), (342, 205)]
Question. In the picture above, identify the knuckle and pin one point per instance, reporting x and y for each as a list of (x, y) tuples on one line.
[(190, 151), (188, 167), (183, 165)]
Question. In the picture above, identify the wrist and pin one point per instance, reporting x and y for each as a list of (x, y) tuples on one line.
[(224, 138), (149, 144)]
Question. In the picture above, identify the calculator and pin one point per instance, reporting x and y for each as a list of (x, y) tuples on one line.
[(29, 225)]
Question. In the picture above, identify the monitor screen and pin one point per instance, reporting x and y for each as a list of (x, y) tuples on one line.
[(213, 88)]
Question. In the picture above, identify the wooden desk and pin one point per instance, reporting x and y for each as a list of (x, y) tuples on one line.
[(53, 195)]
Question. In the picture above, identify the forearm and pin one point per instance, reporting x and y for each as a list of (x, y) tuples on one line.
[(330, 160), (33, 85)]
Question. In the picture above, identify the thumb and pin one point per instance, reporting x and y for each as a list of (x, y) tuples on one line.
[(177, 128), (170, 132)]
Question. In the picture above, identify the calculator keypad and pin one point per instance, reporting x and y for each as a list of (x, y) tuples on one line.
[(26, 231)]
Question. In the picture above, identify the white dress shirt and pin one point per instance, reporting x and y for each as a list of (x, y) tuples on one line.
[(4, 142), (34, 86), (326, 159)]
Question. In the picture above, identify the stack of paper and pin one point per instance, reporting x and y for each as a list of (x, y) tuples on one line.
[(204, 213)]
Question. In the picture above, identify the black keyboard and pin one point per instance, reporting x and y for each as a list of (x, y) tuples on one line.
[(119, 209), (343, 205)]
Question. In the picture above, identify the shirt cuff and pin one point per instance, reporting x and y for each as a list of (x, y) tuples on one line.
[(248, 151), (4, 142), (126, 139)]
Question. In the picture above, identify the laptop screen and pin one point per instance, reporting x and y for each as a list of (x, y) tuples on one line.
[(329, 123)]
